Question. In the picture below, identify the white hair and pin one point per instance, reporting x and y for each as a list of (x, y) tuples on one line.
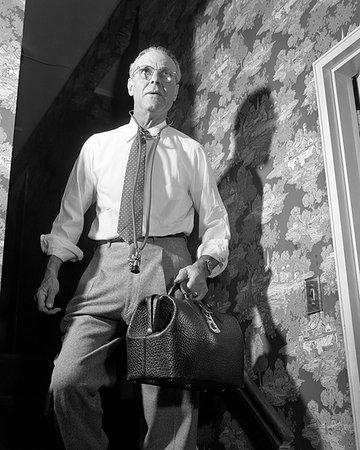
[(158, 49)]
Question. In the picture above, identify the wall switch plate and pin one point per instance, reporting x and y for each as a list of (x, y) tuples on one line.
[(313, 295)]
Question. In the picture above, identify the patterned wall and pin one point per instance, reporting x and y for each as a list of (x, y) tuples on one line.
[(11, 30), (248, 95)]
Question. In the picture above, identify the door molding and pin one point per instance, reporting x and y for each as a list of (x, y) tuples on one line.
[(333, 74)]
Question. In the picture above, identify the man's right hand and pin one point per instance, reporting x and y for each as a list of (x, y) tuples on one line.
[(49, 288), (45, 295)]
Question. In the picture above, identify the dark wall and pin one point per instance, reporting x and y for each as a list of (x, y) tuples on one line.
[(39, 174)]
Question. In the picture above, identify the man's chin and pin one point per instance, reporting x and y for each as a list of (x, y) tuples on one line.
[(156, 108), (155, 102)]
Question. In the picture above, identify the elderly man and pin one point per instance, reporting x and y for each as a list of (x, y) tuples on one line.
[(147, 180)]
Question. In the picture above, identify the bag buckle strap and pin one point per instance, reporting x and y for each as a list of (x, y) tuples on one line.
[(209, 318)]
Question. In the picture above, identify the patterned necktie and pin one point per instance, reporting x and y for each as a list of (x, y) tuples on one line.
[(133, 186)]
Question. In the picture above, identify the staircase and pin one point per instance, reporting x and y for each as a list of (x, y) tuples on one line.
[(23, 384), (262, 413)]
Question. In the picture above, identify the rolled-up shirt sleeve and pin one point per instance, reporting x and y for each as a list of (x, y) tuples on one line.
[(77, 198), (62, 248), (214, 229)]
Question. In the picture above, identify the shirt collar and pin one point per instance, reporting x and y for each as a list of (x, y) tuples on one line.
[(153, 130)]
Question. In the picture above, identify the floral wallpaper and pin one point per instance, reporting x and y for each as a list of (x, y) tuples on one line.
[(11, 30), (248, 96)]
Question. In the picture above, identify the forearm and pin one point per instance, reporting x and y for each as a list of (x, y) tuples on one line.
[(49, 287), (53, 267)]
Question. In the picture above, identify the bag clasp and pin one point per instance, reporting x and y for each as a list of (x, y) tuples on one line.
[(209, 319)]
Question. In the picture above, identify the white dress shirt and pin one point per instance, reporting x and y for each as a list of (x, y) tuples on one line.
[(181, 181)]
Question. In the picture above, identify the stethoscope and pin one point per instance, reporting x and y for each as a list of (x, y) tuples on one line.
[(135, 250)]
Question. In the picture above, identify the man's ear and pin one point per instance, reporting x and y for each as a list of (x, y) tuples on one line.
[(130, 86)]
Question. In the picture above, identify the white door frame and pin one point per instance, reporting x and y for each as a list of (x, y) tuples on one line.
[(333, 74)]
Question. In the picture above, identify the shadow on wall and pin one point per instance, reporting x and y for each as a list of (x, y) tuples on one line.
[(243, 287)]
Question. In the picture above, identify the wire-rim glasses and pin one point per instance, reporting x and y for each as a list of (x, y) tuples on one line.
[(146, 72)]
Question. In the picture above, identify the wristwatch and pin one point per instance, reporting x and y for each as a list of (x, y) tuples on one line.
[(210, 265)]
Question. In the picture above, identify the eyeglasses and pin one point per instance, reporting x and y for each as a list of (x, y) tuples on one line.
[(147, 72)]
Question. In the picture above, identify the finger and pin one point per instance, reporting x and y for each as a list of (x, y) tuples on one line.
[(198, 292), (42, 308), (46, 303), (40, 298), (52, 311), (201, 296), (181, 276), (184, 288), (49, 301), (49, 304), (189, 293)]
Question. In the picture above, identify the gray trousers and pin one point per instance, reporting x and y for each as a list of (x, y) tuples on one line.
[(93, 326)]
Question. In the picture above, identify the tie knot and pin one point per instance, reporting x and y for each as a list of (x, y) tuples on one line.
[(144, 133)]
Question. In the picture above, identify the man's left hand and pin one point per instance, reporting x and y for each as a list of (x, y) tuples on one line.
[(192, 280)]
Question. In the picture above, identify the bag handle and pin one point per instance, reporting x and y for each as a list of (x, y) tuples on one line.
[(198, 306), (177, 286), (173, 289), (151, 303)]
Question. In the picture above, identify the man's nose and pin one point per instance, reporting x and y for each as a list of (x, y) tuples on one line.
[(155, 78)]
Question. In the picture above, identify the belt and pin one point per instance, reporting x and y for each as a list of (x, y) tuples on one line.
[(141, 238)]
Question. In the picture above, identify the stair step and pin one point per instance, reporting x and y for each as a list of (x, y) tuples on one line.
[(23, 374), (23, 386)]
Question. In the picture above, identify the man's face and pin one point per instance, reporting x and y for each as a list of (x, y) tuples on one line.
[(155, 95)]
